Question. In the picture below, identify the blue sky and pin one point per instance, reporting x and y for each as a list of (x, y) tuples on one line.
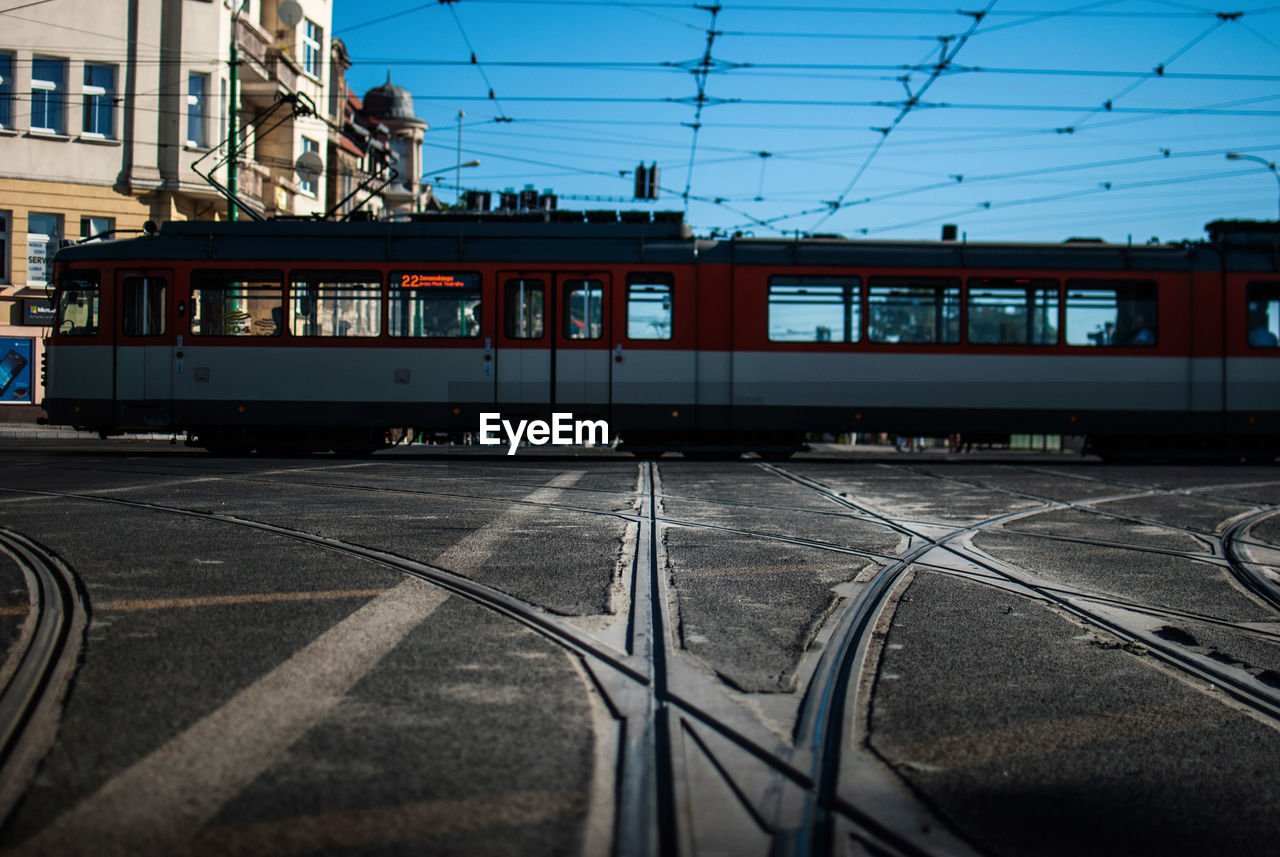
[(834, 117)]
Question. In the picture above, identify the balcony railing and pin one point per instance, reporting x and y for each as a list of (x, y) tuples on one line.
[(252, 41)]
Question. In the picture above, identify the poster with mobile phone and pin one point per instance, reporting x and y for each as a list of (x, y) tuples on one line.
[(15, 371)]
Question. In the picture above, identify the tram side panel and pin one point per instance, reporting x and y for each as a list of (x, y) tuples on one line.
[(940, 351), (1251, 376), (654, 357), (334, 350)]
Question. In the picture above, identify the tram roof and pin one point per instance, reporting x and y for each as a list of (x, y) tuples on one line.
[(460, 239)]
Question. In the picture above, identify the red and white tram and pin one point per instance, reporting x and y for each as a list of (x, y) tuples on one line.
[(328, 335)]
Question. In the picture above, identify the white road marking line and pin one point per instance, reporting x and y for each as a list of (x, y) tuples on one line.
[(162, 801), (166, 797)]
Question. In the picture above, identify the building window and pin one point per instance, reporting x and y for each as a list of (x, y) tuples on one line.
[(312, 42), (308, 180), (99, 100), (6, 90), (5, 219), (404, 164), (43, 233), (48, 95), (815, 309), (94, 226), (198, 110)]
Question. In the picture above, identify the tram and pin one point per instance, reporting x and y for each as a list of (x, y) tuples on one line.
[(313, 335)]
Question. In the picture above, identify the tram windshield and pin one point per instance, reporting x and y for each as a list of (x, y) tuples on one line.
[(78, 304)]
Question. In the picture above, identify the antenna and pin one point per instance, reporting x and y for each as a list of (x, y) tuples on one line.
[(308, 166), (289, 13)]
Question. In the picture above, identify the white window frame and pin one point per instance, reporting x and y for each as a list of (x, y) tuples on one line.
[(312, 45), (97, 92), (55, 93), (105, 223), (198, 109), (310, 187)]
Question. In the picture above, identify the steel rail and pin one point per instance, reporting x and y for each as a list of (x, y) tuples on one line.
[(44, 666), (648, 816), (821, 724), (1241, 566), (1254, 694)]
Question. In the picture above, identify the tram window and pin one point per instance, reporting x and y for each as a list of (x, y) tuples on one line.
[(1263, 315), (434, 305), (335, 303), (236, 303), (526, 308), (649, 306), (143, 300), (78, 304), (1112, 313), (583, 309), (1004, 311), (815, 309), (913, 309)]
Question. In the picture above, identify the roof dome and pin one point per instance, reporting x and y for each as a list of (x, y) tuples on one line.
[(389, 102)]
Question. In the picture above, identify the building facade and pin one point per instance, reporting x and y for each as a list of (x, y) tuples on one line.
[(108, 119)]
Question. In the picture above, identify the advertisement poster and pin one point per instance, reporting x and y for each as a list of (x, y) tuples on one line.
[(39, 260), (16, 371)]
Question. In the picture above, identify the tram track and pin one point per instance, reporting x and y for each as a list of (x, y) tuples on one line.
[(658, 699), (40, 667), (634, 681), (1245, 688), (664, 703), (1224, 542)]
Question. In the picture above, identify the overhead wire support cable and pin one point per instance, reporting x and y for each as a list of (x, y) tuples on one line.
[(502, 113), (1159, 71), (945, 58), (700, 73)]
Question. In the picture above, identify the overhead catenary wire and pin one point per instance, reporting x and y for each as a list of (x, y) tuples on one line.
[(945, 58), (1158, 71), (474, 61), (700, 72)]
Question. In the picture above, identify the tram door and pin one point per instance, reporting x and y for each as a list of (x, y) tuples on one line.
[(144, 345), (523, 359), (553, 350)]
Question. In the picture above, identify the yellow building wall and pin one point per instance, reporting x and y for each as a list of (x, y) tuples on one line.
[(18, 198)]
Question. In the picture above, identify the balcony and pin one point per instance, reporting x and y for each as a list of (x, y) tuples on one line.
[(252, 42), (264, 69)]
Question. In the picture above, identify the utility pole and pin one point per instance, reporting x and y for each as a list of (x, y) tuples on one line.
[(233, 116), (457, 173)]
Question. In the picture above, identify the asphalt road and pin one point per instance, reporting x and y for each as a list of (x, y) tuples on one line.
[(441, 652)]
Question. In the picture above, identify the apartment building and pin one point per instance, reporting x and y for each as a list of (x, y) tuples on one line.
[(107, 110)]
